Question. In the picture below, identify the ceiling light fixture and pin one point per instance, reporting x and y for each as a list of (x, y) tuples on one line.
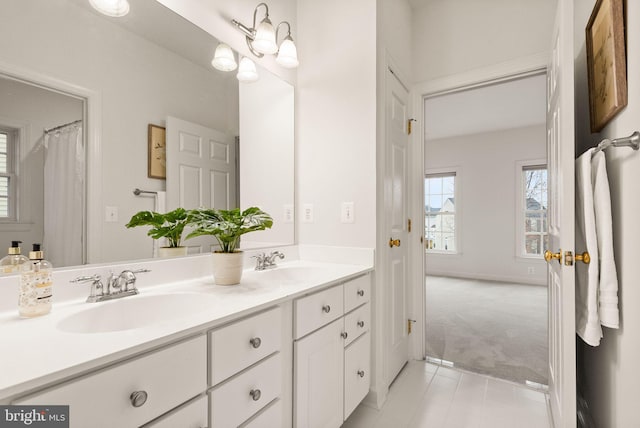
[(113, 8), (263, 39)]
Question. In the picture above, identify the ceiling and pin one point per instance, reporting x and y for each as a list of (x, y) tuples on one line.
[(513, 104)]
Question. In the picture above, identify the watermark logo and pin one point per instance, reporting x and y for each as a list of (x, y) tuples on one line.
[(34, 416)]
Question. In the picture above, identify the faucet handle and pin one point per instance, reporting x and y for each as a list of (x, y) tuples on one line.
[(86, 278), (128, 278), (96, 285)]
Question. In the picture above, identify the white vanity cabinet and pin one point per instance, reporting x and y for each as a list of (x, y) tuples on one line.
[(331, 353), (134, 392), (247, 368)]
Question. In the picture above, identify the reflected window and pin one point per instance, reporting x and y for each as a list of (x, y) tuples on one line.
[(534, 206), (7, 174), (440, 212)]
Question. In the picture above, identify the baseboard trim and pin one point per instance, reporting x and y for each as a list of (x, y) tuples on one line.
[(487, 277)]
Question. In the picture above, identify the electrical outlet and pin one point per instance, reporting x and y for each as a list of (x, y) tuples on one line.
[(307, 213), (111, 214), (288, 213), (347, 214)]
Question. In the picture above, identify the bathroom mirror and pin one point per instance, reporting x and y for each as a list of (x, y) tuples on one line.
[(119, 75)]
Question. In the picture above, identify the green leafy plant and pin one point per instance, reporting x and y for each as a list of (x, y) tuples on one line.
[(228, 225), (169, 225)]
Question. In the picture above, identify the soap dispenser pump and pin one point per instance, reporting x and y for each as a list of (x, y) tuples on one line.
[(35, 286), (14, 261)]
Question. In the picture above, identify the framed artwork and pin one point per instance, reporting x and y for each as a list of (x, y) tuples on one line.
[(606, 62), (157, 152)]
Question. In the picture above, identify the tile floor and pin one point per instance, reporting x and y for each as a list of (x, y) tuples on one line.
[(429, 396)]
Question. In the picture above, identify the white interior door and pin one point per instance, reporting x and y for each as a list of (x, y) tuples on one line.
[(396, 161), (201, 171), (561, 213)]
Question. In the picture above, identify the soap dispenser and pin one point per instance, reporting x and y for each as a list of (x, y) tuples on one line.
[(13, 262), (35, 286)]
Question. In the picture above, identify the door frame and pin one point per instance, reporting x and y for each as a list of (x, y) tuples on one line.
[(503, 72)]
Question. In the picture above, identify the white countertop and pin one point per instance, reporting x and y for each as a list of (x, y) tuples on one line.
[(36, 352)]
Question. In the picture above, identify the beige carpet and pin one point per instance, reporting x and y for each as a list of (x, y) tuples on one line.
[(494, 328)]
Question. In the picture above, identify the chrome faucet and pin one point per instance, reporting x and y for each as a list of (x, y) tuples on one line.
[(264, 261), (118, 286)]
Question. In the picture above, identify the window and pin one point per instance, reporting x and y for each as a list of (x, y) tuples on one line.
[(534, 205), (7, 175), (440, 212)]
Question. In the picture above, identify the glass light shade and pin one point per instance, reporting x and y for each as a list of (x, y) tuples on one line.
[(247, 71), (224, 60), (265, 39), (288, 54), (114, 8)]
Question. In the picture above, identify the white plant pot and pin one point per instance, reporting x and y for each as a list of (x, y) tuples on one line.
[(168, 252), (227, 267)]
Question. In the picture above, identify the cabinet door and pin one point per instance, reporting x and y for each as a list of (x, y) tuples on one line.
[(357, 373), (319, 377)]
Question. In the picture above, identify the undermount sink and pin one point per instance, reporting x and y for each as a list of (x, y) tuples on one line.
[(135, 312), (295, 273)]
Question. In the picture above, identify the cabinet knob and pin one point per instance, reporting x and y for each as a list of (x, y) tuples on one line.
[(344, 334), (361, 324), (255, 342), (326, 309), (138, 398), (361, 373), (360, 293), (255, 394)]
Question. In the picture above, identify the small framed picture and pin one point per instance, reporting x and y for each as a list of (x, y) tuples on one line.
[(606, 62), (157, 152)]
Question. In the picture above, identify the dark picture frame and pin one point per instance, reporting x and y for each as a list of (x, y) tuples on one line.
[(157, 165), (606, 62)]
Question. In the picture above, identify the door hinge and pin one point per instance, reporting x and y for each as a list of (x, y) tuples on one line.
[(409, 125), (409, 225), (410, 325)]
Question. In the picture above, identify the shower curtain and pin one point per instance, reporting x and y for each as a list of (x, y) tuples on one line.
[(64, 196)]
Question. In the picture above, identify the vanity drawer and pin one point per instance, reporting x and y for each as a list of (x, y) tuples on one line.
[(169, 377), (191, 415), (356, 292), (316, 310), (241, 344), (356, 323), (357, 373), (271, 417), (236, 400)]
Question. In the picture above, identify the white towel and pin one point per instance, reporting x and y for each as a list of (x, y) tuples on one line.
[(160, 206), (587, 319), (608, 284)]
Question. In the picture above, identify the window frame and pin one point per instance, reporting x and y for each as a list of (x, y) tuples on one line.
[(446, 172), (13, 145), (521, 232)]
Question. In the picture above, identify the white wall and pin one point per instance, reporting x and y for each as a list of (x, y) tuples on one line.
[(140, 83), (336, 120), (610, 372), (451, 37), (486, 201), (36, 109)]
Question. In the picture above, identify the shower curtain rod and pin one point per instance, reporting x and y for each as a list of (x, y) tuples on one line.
[(75, 122)]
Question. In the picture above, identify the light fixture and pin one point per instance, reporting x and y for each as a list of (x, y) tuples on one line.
[(223, 59), (287, 54), (262, 39), (247, 71), (114, 8)]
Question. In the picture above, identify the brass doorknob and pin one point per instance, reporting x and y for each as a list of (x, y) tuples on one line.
[(548, 256), (584, 258), (394, 242)]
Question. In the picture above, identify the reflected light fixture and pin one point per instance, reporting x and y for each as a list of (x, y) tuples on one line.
[(263, 39), (224, 59), (247, 71), (113, 8)]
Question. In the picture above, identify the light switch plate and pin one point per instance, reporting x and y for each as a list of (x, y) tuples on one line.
[(307, 213), (347, 213), (288, 213)]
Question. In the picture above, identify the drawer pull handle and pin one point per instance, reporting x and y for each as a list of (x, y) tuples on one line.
[(255, 342), (360, 293), (138, 398), (344, 334), (326, 309), (361, 324), (255, 394), (361, 373)]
